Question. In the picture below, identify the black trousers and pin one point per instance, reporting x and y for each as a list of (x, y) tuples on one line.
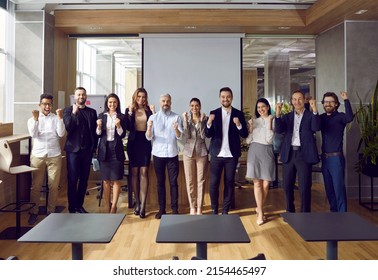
[(78, 168), (297, 165), (217, 165), (172, 165)]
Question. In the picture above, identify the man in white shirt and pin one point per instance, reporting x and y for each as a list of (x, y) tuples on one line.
[(46, 129), (165, 128)]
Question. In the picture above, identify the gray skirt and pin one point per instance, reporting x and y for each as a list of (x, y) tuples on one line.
[(260, 162)]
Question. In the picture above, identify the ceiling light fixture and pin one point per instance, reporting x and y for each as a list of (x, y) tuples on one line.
[(284, 27), (190, 27), (95, 28), (360, 12)]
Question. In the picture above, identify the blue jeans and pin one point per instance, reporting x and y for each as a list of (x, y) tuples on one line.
[(333, 170)]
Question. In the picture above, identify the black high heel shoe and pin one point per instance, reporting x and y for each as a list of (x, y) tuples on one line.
[(136, 211)]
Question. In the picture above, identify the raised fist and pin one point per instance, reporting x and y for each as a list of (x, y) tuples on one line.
[(149, 124), (236, 121), (59, 113), (117, 122), (35, 114), (185, 116), (152, 107), (211, 119), (344, 95), (313, 105), (99, 123)]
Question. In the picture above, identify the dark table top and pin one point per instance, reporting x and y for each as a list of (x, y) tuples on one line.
[(201, 228), (331, 226), (75, 228)]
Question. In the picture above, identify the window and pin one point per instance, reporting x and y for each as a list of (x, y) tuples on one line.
[(3, 16), (86, 67)]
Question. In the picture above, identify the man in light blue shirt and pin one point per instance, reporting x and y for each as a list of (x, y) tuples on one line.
[(165, 128)]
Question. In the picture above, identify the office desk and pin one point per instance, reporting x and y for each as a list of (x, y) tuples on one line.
[(201, 229), (331, 227), (76, 229)]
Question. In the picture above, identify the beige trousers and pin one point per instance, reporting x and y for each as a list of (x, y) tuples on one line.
[(53, 165), (195, 168)]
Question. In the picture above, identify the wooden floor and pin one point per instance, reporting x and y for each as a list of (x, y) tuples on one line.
[(135, 238)]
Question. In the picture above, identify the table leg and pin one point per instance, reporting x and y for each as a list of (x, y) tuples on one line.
[(202, 250), (332, 250), (77, 251)]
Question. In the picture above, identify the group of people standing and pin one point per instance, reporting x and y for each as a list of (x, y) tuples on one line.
[(156, 133)]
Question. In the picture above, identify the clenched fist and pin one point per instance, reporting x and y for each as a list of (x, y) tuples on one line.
[(35, 114)]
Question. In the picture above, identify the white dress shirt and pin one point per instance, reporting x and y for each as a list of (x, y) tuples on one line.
[(296, 140), (225, 148), (163, 135), (110, 127), (46, 134)]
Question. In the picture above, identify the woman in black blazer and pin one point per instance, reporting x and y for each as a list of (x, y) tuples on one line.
[(139, 148), (111, 127)]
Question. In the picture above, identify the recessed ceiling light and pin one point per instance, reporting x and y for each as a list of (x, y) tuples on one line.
[(284, 27), (190, 27), (95, 27), (360, 12)]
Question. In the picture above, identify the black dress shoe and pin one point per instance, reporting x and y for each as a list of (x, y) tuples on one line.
[(136, 211), (175, 212), (215, 212), (224, 212), (159, 214), (32, 219), (81, 210), (142, 214)]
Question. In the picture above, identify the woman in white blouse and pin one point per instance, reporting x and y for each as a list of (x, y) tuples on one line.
[(111, 128), (260, 163)]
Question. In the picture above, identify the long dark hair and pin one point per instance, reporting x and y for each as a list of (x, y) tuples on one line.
[(110, 95), (266, 102)]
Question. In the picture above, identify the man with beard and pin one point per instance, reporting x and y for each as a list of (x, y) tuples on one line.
[(80, 122), (333, 162), (225, 126), (298, 151), (165, 128)]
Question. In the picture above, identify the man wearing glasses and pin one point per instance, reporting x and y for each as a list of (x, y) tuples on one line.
[(46, 129), (333, 162)]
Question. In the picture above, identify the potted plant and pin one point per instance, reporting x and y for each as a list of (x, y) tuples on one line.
[(366, 117)]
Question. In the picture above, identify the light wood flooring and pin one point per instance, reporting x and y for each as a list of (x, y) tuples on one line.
[(136, 237)]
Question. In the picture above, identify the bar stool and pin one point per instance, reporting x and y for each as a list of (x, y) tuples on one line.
[(6, 158)]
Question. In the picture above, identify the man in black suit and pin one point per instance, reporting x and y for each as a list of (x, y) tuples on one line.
[(225, 126), (298, 150), (80, 122)]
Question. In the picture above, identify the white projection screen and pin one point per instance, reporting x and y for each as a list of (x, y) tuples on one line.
[(188, 65)]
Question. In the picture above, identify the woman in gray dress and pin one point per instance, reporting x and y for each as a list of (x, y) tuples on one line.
[(260, 161)]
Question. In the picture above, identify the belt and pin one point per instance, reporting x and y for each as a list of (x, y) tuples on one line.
[(296, 148), (334, 154)]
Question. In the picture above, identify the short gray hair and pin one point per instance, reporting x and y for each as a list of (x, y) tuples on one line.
[(166, 95)]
